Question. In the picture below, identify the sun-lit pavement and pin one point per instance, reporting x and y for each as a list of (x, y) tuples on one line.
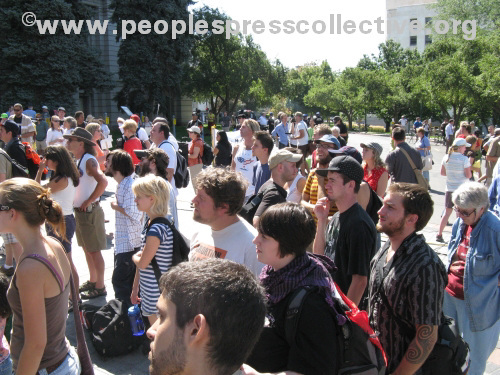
[(137, 363)]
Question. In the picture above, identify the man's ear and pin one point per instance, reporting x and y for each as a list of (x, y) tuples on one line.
[(197, 331), (223, 208)]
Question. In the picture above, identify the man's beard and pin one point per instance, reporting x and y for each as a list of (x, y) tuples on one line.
[(172, 361), (393, 230), (325, 161), (144, 170)]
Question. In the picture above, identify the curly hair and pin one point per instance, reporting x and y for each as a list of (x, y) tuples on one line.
[(224, 186)]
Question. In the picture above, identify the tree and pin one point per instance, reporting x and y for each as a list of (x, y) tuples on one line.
[(46, 69), (151, 65), (301, 80), (485, 12), (222, 70)]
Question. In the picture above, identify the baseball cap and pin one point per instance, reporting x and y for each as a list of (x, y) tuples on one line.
[(194, 114), (141, 153), (135, 118), (4, 115), (194, 129), (373, 145), (328, 138), (348, 150), (241, 115), (346, 165), (282, 155), (11, 126), (61, 109), (45, 107), (460, 142)]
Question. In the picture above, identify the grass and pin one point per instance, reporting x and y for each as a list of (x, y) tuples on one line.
[(371, 128)]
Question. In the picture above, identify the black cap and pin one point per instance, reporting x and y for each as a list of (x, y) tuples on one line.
[(11, 126), (350, 151), (346, 165)]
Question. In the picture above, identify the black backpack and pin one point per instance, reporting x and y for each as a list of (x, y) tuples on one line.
[(359, 350), (180, 250), (249, 209), (110, 329), (181, 174), (17, 169), (208, 155), (374, 205)]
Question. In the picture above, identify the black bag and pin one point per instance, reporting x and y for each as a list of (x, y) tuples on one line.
[(17, 169), (358, 352), (450, 355), (374, 205), (180, 250), (111, 333), (249, 209), (181, 174), (208, 155)]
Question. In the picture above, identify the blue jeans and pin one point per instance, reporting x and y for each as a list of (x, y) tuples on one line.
[(481, 343), (426, 175), (70, 366), (6, 366)]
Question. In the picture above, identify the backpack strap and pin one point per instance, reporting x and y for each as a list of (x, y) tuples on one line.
[(293, 312), (412, 164), (154, 262)]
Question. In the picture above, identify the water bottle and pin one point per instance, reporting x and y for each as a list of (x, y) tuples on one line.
[(136, 323)]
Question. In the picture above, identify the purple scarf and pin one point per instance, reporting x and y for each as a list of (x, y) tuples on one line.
[(305, 270)]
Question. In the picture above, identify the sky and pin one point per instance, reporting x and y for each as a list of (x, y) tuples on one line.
[(340, 50)]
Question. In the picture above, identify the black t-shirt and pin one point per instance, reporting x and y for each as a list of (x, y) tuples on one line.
[(316, 340), (16, 151), (351, 244), (223, 157), (318, 120), (18, 120), (275, 195), (342, 141), (197, 123)]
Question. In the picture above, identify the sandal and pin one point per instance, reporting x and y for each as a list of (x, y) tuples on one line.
[(87, 285), (94, 293), (440, 239)]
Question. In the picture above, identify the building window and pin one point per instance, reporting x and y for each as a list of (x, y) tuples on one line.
[(413, 41), (428, 20), (428, 39)]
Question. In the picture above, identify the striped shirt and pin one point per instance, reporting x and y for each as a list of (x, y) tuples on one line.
[(311, 189), (127, 227), (150, 292), (455, 164)]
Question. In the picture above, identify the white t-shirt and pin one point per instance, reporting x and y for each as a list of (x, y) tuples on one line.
[(302, 141), (142, 135), (172, 140), (455, 175), (245, 161), (52, 135), (172, 160), (233, 243)]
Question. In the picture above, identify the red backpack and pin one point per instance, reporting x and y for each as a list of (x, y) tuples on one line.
[(33, 160)]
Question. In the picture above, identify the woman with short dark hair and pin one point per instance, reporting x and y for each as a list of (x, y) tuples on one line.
[(285, 232)]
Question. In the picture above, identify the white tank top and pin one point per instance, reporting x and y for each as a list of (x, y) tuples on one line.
[(293, 194), (65, 197), (87, 183), (244, 163)]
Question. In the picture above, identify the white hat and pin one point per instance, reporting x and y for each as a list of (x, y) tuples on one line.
[(194, 129), (460, 142)]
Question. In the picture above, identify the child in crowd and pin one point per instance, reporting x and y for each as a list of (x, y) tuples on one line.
[(152, 196), (5, 312)]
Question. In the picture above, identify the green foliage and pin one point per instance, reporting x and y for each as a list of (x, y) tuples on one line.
[(45, 69), (151, 65)]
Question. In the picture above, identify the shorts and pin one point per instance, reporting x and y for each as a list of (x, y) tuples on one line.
[(41, 145), (90, 231), (70, 232), (70, 366), (447, 199), (9, 238)]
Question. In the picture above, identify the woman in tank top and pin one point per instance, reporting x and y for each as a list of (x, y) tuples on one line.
[(63, 182), (295, 188), (38, 293)]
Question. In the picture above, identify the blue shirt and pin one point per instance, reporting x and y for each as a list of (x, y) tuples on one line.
[(494, 195), (417, 124), (261, 173), (281, 131), (423, 143), (482, 270)]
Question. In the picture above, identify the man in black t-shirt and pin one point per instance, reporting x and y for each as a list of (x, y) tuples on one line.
[(195, 121), (283, 166), (349, 238), (337, 121), (318, 119)]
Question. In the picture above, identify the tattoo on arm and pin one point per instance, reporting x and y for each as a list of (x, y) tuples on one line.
[(422, 345)]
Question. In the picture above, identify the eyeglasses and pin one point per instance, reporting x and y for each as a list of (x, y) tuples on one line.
[(324, 145), (464, 213), (4, 208)]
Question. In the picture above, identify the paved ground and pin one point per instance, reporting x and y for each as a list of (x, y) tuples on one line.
[(136, 363)]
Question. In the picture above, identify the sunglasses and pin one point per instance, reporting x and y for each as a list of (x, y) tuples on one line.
[(4, 208), (464, 213)]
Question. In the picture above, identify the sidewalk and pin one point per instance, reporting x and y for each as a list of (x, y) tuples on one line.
[(136, 363)]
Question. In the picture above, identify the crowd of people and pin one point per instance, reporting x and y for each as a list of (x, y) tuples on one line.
[(321, 206)]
